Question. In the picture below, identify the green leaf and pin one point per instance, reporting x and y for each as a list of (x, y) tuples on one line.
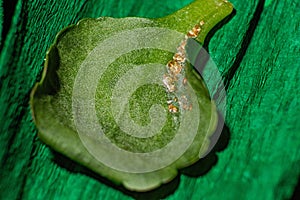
[(103, 103)]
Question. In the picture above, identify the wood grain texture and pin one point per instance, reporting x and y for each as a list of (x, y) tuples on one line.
[(262, 159)]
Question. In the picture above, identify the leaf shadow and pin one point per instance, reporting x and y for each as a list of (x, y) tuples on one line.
[(219, 25), (296, 193), (202, 166)]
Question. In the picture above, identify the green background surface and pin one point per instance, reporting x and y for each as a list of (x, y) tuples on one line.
[(257, 52)]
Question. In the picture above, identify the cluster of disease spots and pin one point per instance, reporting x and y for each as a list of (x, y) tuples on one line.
[(174, 79)]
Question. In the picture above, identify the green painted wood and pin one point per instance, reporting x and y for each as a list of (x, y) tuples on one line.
[(262, 159)]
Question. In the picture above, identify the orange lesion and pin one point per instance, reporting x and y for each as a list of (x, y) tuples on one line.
[(169, 82), (172, 108), (175, 78), (174, 68), (194, 32), (179, 57)]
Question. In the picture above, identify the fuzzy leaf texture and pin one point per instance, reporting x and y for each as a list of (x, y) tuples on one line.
[(102, 101)]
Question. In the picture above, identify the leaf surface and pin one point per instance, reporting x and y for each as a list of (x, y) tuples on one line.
[(102, 102)]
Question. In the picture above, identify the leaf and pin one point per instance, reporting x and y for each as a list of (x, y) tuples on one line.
[(102, 100)]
